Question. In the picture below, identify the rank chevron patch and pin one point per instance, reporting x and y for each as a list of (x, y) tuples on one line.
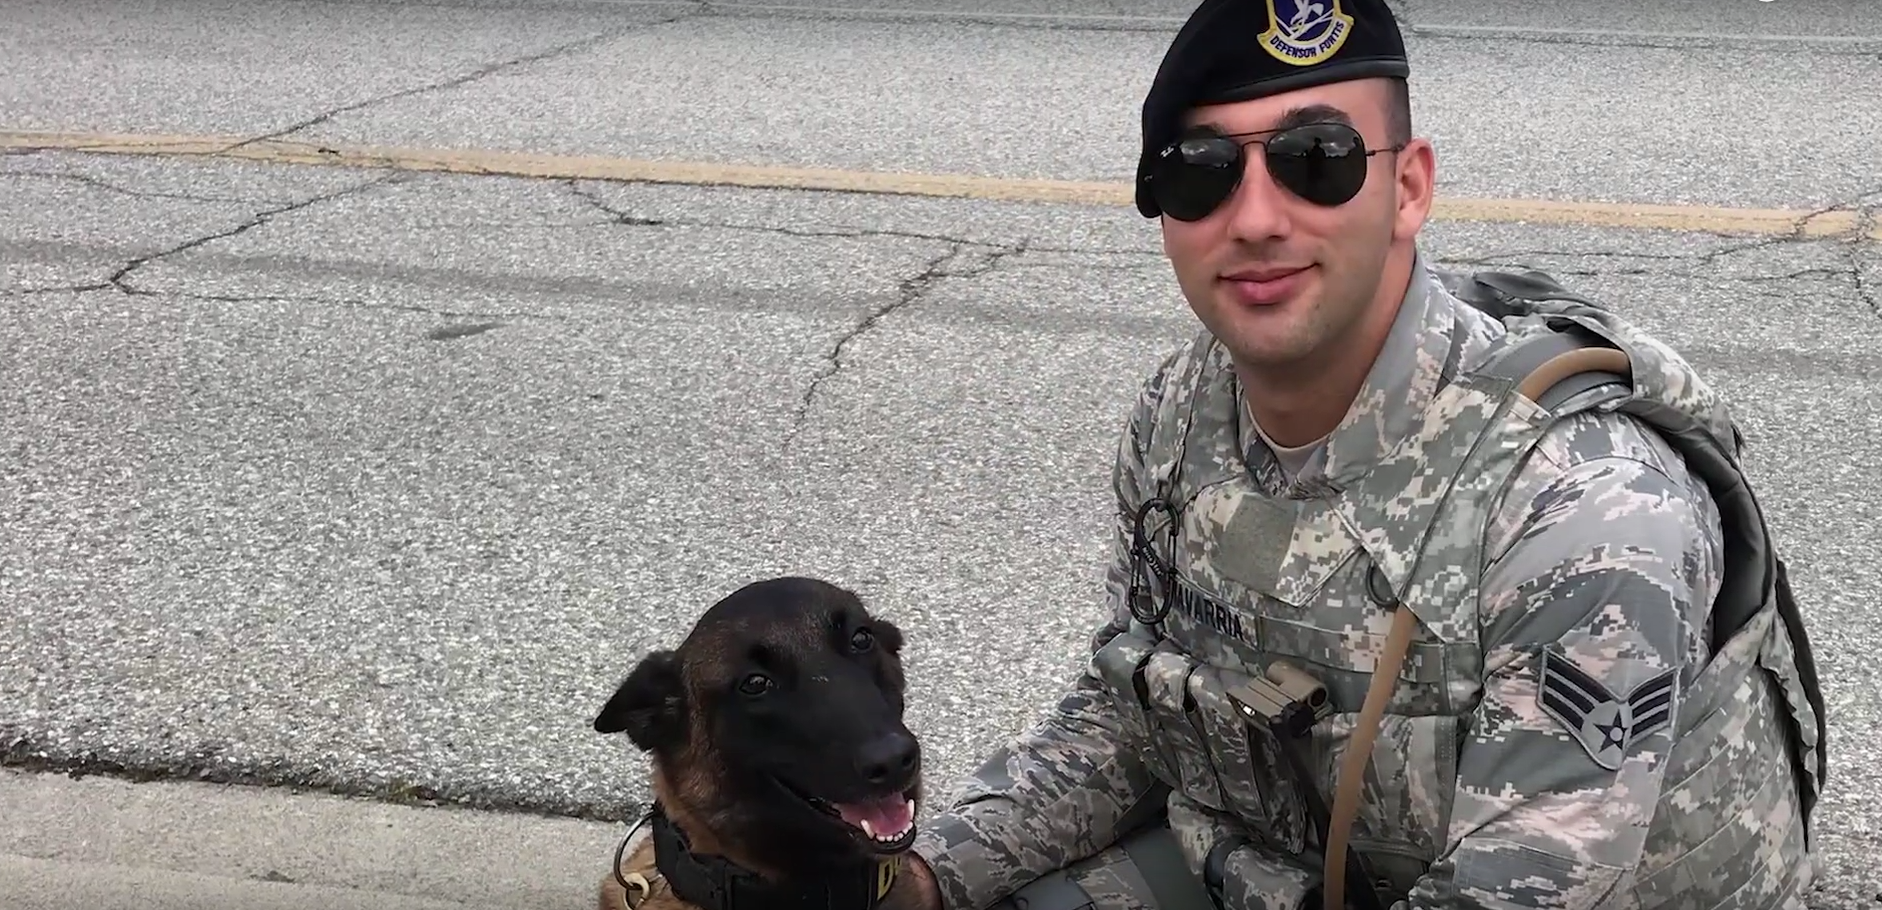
[(1605, 724)]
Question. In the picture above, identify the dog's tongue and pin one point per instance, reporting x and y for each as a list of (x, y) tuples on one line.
[(884, 818)]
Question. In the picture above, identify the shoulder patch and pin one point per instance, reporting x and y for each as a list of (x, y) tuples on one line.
[(1605, 724)]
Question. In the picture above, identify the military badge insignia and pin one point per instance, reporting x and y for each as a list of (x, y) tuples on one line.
[(1603, 723), (1305, 32)]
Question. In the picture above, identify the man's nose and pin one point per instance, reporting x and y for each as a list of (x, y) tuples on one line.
[(1258, 209)]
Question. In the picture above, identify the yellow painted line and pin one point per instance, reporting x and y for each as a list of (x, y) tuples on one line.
[(1683, 218)]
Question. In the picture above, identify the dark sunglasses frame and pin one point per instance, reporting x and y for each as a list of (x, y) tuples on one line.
[(1325, 163)]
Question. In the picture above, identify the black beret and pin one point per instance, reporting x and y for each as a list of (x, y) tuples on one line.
[(1235, 50)]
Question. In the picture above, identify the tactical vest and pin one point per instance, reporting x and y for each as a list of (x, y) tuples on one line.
[(1175, 673)]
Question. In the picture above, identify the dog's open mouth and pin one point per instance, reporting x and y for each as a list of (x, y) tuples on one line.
[(886, 823)]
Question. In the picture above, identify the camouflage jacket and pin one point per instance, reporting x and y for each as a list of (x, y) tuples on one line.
[(1571, 727)]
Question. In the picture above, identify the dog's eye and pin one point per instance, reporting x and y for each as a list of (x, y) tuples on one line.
[(862, 639), (755, 684)]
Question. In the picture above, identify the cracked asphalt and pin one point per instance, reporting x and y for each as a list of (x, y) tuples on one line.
[(377, 481)]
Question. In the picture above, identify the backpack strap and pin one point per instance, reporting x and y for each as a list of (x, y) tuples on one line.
[(1755, 575), (1553, 367)]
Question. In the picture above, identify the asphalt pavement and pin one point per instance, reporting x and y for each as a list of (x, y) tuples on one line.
[(377, 480)]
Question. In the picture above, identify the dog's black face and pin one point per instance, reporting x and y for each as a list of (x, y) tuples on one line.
[(779, 720)]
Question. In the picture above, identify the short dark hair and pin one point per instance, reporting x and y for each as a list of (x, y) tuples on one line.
[(1398, 117)]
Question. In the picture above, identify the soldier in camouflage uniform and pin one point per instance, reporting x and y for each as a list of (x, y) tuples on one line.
[(1596, 691)]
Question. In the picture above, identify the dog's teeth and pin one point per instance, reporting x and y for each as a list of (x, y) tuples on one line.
[(868, 828)]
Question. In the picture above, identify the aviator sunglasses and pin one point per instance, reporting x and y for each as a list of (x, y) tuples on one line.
[(1323, 163)]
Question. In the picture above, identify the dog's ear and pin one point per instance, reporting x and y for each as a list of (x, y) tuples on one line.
[(650, 705)]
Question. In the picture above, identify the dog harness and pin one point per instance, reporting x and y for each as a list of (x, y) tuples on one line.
[(711, 882)]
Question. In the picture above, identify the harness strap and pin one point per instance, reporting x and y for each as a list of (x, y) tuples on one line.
[(712, 882), (1592, 367), (1359, 754)]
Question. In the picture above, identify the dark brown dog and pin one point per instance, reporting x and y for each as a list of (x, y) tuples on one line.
[(783, 774)]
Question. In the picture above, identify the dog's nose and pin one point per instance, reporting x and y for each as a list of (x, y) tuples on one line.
[(886, 759)]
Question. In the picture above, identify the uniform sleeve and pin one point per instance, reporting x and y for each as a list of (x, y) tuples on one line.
[(1593, 624), (1058, 792)]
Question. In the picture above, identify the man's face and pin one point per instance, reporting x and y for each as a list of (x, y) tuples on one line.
[(1283, 282)]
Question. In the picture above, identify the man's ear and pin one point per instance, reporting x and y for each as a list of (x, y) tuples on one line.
[(650, 705)]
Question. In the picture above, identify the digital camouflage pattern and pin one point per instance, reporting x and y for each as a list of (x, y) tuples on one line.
[(1642, 770)]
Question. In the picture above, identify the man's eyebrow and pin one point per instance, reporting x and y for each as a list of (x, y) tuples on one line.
[(1313, 113), (1295, 116)]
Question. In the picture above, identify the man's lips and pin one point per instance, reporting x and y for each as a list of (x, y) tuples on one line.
[(1263, 275), (1264, 286)]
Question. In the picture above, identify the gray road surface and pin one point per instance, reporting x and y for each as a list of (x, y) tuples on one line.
[(379, 481)]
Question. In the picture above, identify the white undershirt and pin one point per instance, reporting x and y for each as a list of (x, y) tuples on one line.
[(1292, 459)]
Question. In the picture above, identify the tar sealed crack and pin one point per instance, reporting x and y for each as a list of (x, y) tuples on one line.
[(1813, 46), (1870, 296), (484, 321), (1853, 273), (1068, 22), (560, 50), (617, 216), (911, 290), (461, 330), (1853, 241), (24, 752), (120, 279), (108, 186)]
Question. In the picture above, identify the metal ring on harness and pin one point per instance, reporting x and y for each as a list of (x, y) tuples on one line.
[(1144, 556), (635, 885)]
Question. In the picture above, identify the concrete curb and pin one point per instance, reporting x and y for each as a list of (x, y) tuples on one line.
[(96, 841), (40, 884)]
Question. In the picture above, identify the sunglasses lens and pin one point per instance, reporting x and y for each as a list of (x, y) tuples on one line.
[(1196, 176), (1323, 163)]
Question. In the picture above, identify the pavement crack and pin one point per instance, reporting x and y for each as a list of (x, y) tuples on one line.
[(92, 288), (1868, 295), (121, 278), (482, 72), (1798, 275), (108, 186), (910, 290), (1086, 267), (615, 216), (1815, 46), (1517, 259), (1799, 233), (619, 217), (357, 304)]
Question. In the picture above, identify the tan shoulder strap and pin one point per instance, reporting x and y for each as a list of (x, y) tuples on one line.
[(1359, 754), (1398, 644)]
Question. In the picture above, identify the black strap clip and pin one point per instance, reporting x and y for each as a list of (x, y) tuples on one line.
[(1147, 566)]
